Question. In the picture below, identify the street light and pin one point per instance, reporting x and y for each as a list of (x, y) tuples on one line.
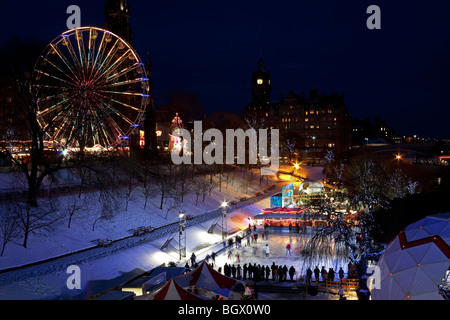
[(181, 235), (224, 219), (398, 157)]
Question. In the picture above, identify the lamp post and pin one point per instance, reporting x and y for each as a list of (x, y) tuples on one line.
[(224, 219), (398, 157), (182, 234)]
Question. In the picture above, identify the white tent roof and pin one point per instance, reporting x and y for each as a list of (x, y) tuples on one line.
[(204, 276), (311, 187), (173, 291), (415, 262)]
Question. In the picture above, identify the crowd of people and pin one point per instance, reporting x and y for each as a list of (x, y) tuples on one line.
[(254, 272)]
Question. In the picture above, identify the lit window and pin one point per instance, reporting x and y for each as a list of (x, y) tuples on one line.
[(306, 119), (259, 81)]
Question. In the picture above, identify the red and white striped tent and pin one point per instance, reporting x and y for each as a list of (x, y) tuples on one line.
[(205, 277), (415, 265), (173, 291)]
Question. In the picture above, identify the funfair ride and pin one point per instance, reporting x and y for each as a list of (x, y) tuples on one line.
[(92, 89)]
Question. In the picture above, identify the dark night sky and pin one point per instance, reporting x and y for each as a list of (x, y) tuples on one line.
[(210, 48)]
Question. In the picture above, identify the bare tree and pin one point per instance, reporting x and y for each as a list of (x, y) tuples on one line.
[(72, 207), (183, 182), (17, 68), (8, 225), (109, 206), (33, 219)]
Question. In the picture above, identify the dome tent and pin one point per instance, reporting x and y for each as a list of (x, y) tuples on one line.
[(311, 187), (415, 263)]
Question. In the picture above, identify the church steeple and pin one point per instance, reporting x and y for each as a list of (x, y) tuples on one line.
[(117, 17), (261, 87)]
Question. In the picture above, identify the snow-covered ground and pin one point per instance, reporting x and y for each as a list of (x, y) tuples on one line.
[(48, 281)]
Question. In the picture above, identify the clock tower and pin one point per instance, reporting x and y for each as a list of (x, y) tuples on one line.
[(261, 85)]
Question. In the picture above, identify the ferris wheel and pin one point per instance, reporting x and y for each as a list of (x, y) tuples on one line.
[(92, 89)]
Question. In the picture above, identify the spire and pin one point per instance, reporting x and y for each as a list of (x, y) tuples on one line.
[(148, 69), (117, 15), (261, 66)]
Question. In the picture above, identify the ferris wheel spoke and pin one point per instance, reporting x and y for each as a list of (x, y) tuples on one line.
[(53, 77), (81, 50), (57, 67), (117, 62), (126, 93), (108, 109), (68, 44), (110, 55), (126, 82), (100, 51), (115, 128), (65, 125), (52, 108), (48, 98), (101, 132), (62, 57), (129, 106), (91, 47), (124, 71)]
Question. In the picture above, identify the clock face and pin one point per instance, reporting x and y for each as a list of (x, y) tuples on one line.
[(259, 81)]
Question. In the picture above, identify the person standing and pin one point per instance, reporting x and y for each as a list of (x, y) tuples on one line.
[(288, 249), (292, 272), (193, 259), (341, 273), (267, 250), (331, 274), (285, 271), (308, 275), (272, 267), (324, 274), (316, 273), (275, 274), (341, 293), (267, 272)]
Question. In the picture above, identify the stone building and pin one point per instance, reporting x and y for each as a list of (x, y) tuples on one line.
[(307, 125)]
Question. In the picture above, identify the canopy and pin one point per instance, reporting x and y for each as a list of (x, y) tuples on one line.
[(311, 187), (204, 276), (283, 210), (173, 291), (415, 263)]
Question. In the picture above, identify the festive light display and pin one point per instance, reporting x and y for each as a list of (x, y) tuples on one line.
[(92, 88)]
